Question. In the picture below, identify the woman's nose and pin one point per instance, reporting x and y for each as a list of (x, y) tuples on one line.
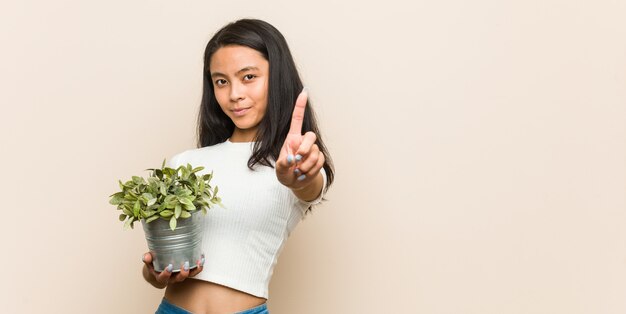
[(236, 92)]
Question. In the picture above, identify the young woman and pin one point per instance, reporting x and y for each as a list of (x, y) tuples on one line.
[(258, 134)]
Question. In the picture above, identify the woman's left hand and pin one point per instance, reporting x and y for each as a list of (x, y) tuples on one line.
[(300, 158)]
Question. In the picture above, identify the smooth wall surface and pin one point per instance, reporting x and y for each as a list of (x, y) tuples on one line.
[(480, 149)]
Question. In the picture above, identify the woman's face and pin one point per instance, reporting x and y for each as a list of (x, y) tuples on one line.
[(240, 79)]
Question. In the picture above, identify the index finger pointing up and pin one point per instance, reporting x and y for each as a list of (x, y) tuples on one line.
[(298, 113)]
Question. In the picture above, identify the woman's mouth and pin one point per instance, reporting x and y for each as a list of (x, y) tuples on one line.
[(240, 112)]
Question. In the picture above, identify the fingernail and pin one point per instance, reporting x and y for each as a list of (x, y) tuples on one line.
[(302, 177), (297, 171), (143, 258), (289, 159), (298, 157), (202, 261), (186, 266), (169, 268)]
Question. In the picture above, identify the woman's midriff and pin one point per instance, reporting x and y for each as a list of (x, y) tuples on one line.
[(199, 296)]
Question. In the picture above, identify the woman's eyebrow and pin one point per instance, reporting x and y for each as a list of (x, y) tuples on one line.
[(245, 69)]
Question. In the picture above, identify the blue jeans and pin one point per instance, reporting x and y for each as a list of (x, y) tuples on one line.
[(168, 308)]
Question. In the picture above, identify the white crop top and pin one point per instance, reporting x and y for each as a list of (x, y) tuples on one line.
[(243, 240)]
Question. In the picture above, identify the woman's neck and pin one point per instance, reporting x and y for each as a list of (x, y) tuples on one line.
[(241, 136)]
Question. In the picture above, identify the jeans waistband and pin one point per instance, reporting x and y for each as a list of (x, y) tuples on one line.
[(168, 308)]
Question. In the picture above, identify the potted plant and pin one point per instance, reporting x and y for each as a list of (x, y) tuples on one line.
[(168, 204)]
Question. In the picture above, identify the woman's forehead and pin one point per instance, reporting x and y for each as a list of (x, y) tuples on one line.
[(234, 58)]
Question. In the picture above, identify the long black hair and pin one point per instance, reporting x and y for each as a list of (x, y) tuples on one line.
[(214, 126)]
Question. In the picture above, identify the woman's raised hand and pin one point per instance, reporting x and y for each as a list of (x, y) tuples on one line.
[(166, 277), (300, 159)]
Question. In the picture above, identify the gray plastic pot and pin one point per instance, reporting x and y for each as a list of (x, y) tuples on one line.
[(178, 246)]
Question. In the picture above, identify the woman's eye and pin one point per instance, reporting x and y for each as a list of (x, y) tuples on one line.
[(220, 82), (248, 77)]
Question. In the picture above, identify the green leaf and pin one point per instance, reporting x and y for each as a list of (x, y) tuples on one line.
[(206, 199), (185, 214), (122, 217), (184, 171), (167, 172), (166, 213), (177, 210), (117, 198), (138, 180), (188, 204), (151, 219), (201, 186), (137, 208), (152, 201), (117, 194), (218, 201), (126, 211), (128, 223), (173, 223), (147, 213), (207, 177), (202, 202)]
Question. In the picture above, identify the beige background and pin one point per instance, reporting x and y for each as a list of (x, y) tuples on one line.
[(480, 149)]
